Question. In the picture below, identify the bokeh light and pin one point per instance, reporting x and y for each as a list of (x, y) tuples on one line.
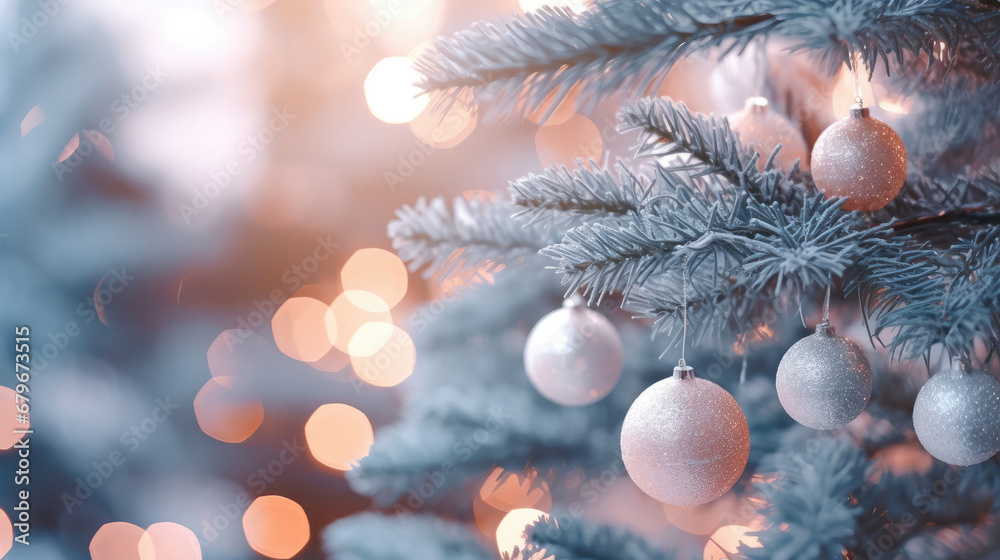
[(169, 541), (6, 534), (563, 144), (504, 491), (510, 532), (391, 92), (226, 415), (104, 294), (276, 526), (702, 519), (903, 458), (370, 338), (562, 112), (221, 358), (9, 418), (349, 312), (95, 141), (339, 435), (300, 327), (334, 361), (447, 125), (100, 143), (116, 541), (70, 147), (391, 364), (376, 271), (724, 542), (35, 117)]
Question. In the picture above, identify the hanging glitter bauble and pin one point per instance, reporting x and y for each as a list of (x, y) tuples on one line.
[(573, 355), (957, 416), (824, 381), (757, 124), (685, 441), (859, 157)]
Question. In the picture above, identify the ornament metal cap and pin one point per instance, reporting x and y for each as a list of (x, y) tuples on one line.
[(826, 329), (859, 111), (683, 371), (756, 105), (964, 366)]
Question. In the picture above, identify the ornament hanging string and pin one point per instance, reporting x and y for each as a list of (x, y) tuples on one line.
[(855, 64), (760, 84), (684, 297), (826, 306)]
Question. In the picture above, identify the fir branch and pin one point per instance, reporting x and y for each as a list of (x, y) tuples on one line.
[(476, 232), (959, 217), (363, 537), (615, 45), (603, 257), (737, 277), (809, 506), (925, 201), (670, 128), (716, 304), (901, 289), (627, 45), (563, 196), (568, 537), (952, 130), (917, 516), (927, 297), (806, 253)]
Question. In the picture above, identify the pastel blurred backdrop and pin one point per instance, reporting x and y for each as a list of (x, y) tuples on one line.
[(194, 202)]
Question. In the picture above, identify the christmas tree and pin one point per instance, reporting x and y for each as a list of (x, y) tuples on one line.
[(728, 241)]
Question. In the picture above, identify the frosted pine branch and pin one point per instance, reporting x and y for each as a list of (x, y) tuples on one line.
[(363, 537), (811, 493), (603, 257), (627, 46), (922, 198), (667, 128), (929, 297), (475, 232), (564, 196), (568, 537)]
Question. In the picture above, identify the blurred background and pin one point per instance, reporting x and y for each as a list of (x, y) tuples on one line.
[(194, 202)]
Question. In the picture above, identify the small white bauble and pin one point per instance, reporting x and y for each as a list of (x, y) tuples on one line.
[(685, 440), (765, 128), (824, 381), (957, 416), (573, 355)]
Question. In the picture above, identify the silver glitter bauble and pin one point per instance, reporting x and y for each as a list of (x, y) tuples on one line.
[(573, 355), (685, 441), (957, 416), (757, 124), (824, 381), (859, 157)]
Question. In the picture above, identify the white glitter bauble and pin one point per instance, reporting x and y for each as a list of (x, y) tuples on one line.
[(685, 441), (859, 157), (824, 381), (757, 124), (957, 416), (573, 355)]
